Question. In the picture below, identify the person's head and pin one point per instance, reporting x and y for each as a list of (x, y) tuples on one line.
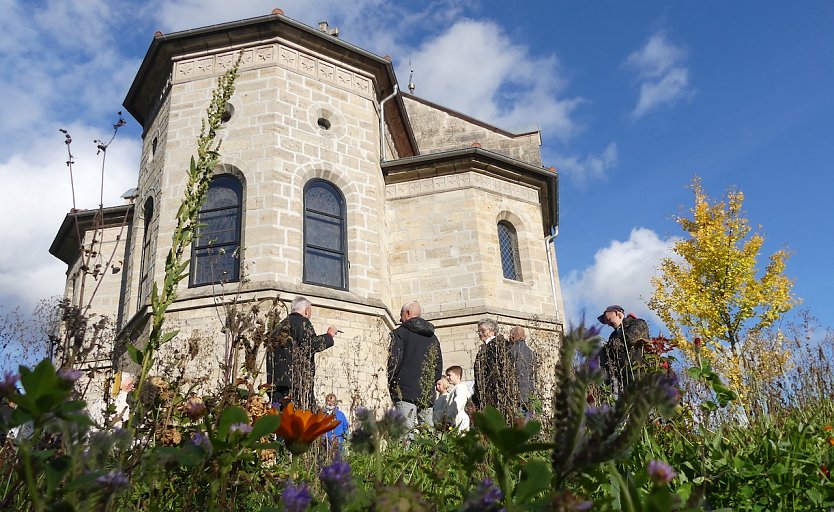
[(517, 333), (302, 306), (613, 316), (442, 385), (487, 328), (127, 383), (454, 374), (330, 400), (410, 310)]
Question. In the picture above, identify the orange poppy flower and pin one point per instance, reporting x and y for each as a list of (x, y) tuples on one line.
[(299, 428), (827, 428)]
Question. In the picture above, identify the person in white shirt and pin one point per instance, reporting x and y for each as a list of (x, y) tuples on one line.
[(440, 412), (127, 384), (459, 394)]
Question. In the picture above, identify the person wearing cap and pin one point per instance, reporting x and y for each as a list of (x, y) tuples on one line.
[(620, 357)]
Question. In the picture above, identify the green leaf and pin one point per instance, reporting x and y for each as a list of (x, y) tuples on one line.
[(168, 336), (136, 355), (263, 427), (229, 417), (535, 478), (55, 471), (490, 422), (61, 506)]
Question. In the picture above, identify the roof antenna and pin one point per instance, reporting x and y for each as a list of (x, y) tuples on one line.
[(411, 85)]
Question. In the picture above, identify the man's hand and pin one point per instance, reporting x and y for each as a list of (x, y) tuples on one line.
[(332, 331)]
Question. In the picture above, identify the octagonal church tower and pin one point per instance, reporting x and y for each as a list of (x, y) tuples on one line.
[(318, 194)]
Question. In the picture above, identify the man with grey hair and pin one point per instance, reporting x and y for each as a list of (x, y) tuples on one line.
[(415, 364), (291, 364), (494, 385), (523, 362)]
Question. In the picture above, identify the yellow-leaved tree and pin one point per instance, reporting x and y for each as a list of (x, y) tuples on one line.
[(715, 291)]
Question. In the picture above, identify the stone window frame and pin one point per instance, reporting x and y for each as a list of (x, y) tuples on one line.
[(508, 251), (235, 245), (342, 252), (145, 255)]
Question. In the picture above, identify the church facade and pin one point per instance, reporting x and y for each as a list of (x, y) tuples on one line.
[(335, 185)]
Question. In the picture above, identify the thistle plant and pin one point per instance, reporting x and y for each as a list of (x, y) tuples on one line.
[(588, 436)]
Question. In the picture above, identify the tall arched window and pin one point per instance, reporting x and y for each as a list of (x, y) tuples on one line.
[(214, 252), (145, 259), (325, 243), (508, 243)]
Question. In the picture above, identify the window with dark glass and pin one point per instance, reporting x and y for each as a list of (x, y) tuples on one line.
[(214, 252), (508, 244), (325, 247), (145, 260)]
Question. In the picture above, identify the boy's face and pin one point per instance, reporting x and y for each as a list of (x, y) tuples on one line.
[(330, 401), (453, 377)]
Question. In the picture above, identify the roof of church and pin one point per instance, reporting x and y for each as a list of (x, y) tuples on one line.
[(155, 70)]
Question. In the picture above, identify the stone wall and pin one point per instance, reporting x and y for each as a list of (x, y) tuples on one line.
[(438, 129)]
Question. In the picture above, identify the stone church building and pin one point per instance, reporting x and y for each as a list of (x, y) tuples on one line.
[(333, 184)]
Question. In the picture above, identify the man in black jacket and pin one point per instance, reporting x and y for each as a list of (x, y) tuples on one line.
[(291, 365), (495, 382), (523, 362), (415, 364), (620, 357)]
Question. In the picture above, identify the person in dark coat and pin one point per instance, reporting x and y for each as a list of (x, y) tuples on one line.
[(291, 365), (523, 362), (620, 357), (415, 364), (495, 384)]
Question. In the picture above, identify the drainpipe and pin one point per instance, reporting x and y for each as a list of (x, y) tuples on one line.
[(548, 240), (382, 123)]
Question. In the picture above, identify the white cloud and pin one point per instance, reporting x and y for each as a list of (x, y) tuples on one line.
[(663, 77), (64, 67), (37, 185), (621, 274), (593, 166), (474, 67)]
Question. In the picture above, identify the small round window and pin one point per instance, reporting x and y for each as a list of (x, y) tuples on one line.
[(323, 123)]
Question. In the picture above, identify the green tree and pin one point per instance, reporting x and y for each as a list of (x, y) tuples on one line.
[(714, 290)]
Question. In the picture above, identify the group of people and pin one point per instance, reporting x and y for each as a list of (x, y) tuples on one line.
[(420, 389), (424, 393)]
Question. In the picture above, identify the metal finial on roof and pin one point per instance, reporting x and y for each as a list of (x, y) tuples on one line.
[(411, 85)]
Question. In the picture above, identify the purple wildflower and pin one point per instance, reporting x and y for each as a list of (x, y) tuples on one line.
[(592, 331), (297, 498), (669, 384), (69, 375), (393, 422), (202, 440), (593, 412), (9, 384), (484, 498), (660, 472), (338, 483), (593, 362), (243, 428), (113, 480)]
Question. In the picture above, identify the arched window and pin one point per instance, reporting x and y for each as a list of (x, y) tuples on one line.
[(145, 259), (508, 243), (214, 252), (325, 245)]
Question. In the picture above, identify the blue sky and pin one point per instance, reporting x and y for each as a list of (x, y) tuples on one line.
[(632, 98)]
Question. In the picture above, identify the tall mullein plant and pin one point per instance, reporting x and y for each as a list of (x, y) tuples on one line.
[(587, 435), (176, 269)]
